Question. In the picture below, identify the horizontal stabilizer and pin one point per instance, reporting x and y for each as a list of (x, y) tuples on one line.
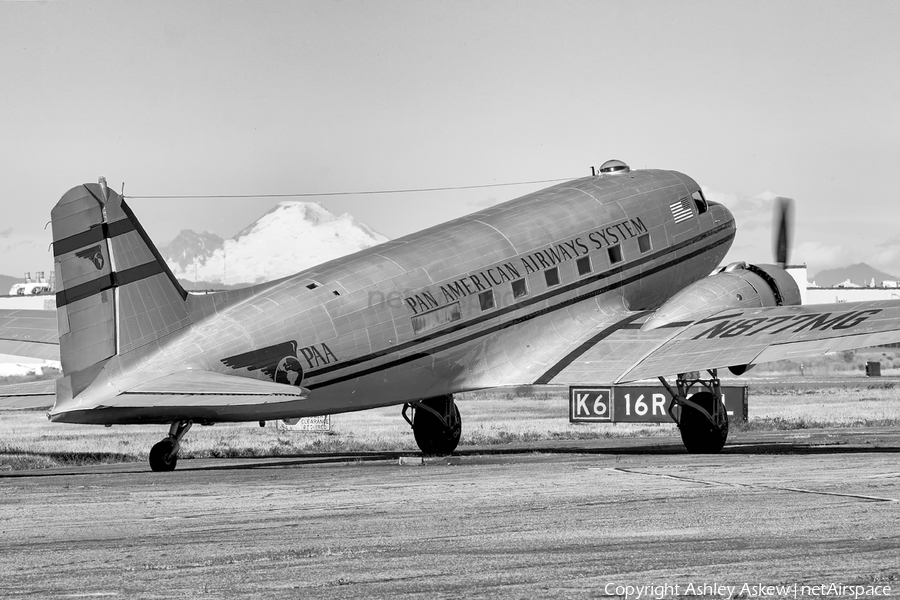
[(201, 396), (30, 333), (30, 395)]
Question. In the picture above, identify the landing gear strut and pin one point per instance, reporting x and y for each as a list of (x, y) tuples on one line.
[(164, 454), (701, 419), (436, 424)]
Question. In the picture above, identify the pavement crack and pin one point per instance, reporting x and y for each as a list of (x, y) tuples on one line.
[(882, 476), (713, 483)]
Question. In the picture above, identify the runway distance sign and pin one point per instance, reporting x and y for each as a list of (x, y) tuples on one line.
[(640, 404)]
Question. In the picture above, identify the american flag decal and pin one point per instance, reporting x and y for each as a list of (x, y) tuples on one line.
[(681, 210)]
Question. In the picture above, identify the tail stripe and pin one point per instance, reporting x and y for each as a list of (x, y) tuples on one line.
[(137, 273), (79, 240), (101, 284), (84, 290), (92, 236), (117, 228)]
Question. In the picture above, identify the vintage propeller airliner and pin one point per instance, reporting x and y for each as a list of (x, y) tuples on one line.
[(603, 279)]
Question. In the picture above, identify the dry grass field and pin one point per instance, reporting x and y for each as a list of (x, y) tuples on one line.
[(28, 440)]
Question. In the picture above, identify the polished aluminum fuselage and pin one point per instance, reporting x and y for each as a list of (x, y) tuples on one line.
[(408, 320)]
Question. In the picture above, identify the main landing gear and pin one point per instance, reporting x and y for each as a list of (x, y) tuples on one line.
[(436, 424), (164, 454), (701, 419)]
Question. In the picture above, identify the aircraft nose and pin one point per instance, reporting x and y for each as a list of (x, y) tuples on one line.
[(720, 213)]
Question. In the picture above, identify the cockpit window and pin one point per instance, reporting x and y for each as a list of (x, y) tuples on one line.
[(700, 201)]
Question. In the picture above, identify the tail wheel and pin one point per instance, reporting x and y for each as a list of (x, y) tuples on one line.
[(698, 434), (437, 426), (163, 456)]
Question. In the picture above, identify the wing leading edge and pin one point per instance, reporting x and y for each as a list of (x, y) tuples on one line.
[(736, 337)]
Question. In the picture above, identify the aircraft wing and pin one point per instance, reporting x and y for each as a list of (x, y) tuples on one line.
[(193, 395), (29, 395), (31, 333), (728, 338)]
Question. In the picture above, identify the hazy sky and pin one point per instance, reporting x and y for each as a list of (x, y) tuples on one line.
[(752, 99)]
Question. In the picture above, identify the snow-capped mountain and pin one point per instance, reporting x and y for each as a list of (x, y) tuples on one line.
[(289, 238), (189, 246)]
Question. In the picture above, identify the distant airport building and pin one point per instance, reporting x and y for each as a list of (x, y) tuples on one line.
[(33, 286), (35, 293), (846, 291)]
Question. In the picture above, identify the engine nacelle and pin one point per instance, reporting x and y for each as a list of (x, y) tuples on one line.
[(738, 285)]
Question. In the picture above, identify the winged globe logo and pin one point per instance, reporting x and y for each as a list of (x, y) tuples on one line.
[(278, 362), (93, 254), (289, 371)]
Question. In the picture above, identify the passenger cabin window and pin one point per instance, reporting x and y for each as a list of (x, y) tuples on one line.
[(615, 254), (644, 243), (552, 276), (584, 265), (519, 288), (436, 318), (700, 202), (486, 299)]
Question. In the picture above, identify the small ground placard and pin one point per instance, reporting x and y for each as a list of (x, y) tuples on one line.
[(640, 404), (322, 423)]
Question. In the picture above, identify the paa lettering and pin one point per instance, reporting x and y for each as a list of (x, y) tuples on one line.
[(318, 356)]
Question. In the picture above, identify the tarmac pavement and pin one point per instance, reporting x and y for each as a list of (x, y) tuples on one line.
[(549, 520)]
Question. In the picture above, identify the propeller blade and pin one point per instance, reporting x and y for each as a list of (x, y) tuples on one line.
[(784, 227)]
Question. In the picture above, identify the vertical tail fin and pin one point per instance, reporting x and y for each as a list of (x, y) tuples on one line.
[(115, 292)]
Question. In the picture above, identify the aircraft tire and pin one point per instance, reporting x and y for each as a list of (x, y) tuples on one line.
[(159, 456), (433, 437), (697, 433)]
